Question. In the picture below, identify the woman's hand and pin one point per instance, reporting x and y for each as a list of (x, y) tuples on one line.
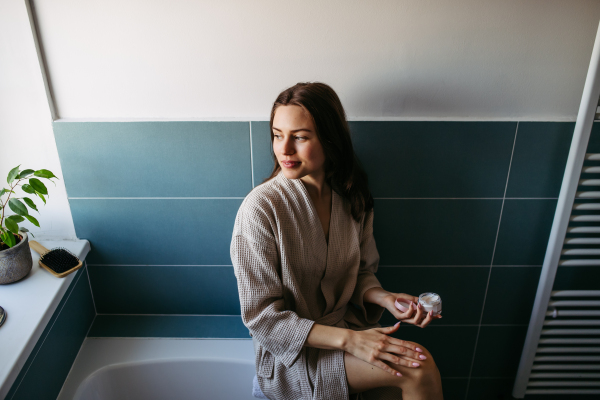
[(375, 346), (415, 314)]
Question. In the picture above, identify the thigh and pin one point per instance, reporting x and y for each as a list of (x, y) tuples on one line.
[(363, 377)]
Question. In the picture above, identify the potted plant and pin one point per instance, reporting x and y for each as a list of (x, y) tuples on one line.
[(15, 256)]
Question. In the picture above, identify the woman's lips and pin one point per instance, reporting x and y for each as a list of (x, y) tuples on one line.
[(290, 164)]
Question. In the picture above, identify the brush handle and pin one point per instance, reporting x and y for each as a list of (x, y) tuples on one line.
[(38, 247)]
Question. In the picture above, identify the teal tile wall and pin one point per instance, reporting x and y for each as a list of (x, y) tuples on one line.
[(49, 363), (461, 208)]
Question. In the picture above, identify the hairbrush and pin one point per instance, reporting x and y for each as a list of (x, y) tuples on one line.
[(59, 261)]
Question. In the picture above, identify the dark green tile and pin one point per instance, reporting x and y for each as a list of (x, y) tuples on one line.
[(491, 389), (498, 351), (435, 159), (462, 289), (524, 232), (436, 232), (47, 367), (155, 158), (171, 326), (510, 295), (164, 290), (159, 232), (262, 151), (539, 159), (454, 388), (451, 346), (577, 278)]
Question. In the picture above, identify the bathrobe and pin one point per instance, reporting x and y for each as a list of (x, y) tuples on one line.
[(289, 278)]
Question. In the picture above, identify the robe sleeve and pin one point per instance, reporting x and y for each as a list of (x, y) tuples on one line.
[(256, 264), (369, 261)]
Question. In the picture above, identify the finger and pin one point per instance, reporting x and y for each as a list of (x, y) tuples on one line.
[(408, 297), (406, 314), (427, 319), (405, 351), (419, 313), (409, 362), (385, 367), (405, 343), (388, 329)]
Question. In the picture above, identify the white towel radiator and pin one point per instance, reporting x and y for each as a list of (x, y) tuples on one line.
[(561, 354)]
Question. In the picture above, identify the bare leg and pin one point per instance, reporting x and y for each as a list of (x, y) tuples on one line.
[(422, 383)]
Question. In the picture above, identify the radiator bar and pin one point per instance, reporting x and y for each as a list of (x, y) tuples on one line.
[(574, 375), (562, 391), (566, 367), (564, 383)]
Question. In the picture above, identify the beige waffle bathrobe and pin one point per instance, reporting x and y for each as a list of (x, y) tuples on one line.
[(289, 278)]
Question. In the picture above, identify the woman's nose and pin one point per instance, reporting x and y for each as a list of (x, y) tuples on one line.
[(288, 147)]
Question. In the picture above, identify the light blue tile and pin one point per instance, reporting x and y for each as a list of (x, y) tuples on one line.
[(262, 151), (155, 159), (171, 326), (163, 232), (436, 232), (45, 371), (434, 159), (164, 290)]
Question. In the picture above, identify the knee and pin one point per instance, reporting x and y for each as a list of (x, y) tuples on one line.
[(427, 373)]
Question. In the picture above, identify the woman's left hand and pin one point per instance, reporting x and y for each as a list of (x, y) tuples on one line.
[(415, 314)]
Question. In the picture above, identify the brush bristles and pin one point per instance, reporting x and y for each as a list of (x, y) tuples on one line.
[(59, 260)]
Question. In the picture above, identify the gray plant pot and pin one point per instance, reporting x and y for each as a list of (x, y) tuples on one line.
[(16, 262)]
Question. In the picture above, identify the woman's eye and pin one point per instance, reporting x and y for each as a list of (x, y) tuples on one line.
[(300, 138)]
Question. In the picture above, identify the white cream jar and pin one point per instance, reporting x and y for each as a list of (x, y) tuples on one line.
[(431, 302)]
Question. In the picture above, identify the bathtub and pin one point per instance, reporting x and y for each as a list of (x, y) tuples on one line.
[(158, 369)]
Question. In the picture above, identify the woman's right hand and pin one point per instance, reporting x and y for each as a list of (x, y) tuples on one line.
[(375, 346)]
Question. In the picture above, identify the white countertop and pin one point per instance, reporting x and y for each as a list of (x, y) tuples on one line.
[(29, 305)]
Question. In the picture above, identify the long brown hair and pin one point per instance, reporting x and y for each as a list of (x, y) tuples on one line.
[(343, 171)]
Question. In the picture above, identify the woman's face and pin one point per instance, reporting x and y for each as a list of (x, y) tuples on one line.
[(296, 145)]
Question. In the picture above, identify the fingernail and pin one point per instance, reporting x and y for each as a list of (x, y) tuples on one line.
[(418, 305), (419, 350), (422, 357), (416, 364), (397, 323), (398, 373), (431, 313)]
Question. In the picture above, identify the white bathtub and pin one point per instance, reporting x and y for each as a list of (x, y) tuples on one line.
[(157, 369)]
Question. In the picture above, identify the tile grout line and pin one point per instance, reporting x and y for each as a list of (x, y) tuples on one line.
[(46, 337), (491, 264), (87, 271), (251, 156)]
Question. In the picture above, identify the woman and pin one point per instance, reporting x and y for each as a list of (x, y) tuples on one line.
[(304, 257)]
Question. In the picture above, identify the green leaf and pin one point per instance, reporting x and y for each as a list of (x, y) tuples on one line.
[(22, 229), (33, 220), (16, 218), (18, 207), (30, 203), (11, 225), (25, 173), (28, 189), (41, 197), (12, 175), (8, 238), (3, 191), (38, 186), (44, 173)]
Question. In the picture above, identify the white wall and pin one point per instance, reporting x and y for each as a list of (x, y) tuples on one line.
[(26, 135), (403, 59), (228, 59)]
